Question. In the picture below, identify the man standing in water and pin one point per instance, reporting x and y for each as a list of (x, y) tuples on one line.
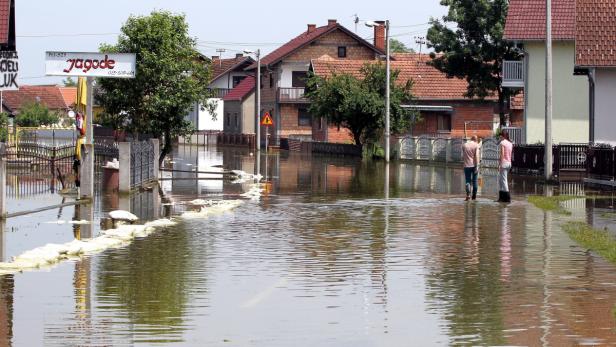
[(470, 155), (505, 149)]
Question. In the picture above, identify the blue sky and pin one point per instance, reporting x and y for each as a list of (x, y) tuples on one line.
[(65, 25)]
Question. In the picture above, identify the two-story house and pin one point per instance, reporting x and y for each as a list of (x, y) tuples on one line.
[(226, 74), (525, 26), (284, 72), (595, 55)]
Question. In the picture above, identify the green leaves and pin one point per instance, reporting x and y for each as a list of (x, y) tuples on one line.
[(359, 103), (34, 114)]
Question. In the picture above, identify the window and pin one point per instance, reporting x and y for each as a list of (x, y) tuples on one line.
[(237, 122), (271, 80), (320, 123), (304, 118), (299, 79), (228, 119), (342, 53), (444, 122), (237, 80)]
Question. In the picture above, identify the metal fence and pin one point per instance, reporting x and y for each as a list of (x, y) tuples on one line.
[(141, 163), (444, 150)]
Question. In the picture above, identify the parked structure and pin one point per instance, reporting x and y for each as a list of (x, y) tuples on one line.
[(285, 69), (226, 74), (443, 108), (526, 27), (595, 56), (239, 108)]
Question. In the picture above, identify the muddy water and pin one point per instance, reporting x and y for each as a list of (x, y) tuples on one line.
[(327, 257)]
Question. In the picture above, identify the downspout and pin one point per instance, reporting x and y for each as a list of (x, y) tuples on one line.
[(525, 115), (591, 105)]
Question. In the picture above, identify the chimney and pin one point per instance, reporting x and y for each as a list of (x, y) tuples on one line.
[(311, 28), (379, 36), (239, 55), (331, 22), (215, 57)]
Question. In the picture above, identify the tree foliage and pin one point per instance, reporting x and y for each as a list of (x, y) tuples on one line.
[(69, 82), (171, 77), (474, 49), (358, 104), (397, 46), (34, 114)]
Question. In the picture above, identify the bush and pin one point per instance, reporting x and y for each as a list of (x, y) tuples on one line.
[(35, 115)]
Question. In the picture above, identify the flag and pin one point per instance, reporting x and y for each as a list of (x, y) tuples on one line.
[(82, 93)]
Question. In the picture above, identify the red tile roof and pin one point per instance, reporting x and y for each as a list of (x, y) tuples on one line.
[(526, 20), (428, 82), (5, 15), (306, 38), (222, 66), (242, 90), (595, 40), (69, 94), (49, 96)]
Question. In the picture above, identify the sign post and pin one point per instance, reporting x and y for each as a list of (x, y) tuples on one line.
[(267, 122), (90, 65)]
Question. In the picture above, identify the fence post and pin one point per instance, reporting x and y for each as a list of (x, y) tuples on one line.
[(2, 181), (124, 149), (156, 145), (448, 151), (431, 150), (87, 171)]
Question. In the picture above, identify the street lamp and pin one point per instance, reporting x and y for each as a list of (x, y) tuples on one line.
[(257, 54), (373, 24)]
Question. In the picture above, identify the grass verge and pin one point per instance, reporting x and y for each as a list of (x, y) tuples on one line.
[(552, 203), (599, 241)]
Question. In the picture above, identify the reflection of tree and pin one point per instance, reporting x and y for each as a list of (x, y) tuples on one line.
[(149, 280), (465, 281)]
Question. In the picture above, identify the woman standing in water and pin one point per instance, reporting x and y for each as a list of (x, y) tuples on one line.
[(505, 149)]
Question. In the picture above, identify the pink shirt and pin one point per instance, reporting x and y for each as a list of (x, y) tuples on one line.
[(470, 154), (507, 148)]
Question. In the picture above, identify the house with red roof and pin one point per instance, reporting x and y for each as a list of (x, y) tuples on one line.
[(525, 26), (48, 95), (285, 70), (239, 106), (226, 74), (7, 25), (595, 56), (444, 109)]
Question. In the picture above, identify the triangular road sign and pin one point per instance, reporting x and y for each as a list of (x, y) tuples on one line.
[(267, 120)]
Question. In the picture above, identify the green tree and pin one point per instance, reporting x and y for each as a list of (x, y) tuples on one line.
[(34, 114), (397, 46), (4, 126), (358, 104), (474, 49), (170, 78), (69, 82)]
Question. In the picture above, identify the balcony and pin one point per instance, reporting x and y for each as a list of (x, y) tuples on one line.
[(292, 95), (219, 92), (513, 74)]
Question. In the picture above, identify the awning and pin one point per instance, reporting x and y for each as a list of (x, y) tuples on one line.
[(429, 108)]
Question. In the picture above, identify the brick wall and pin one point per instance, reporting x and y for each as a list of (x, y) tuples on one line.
[(328, 45), (463, 111), (289, 123)]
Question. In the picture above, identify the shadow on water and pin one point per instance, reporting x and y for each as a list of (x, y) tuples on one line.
[(333, 254)]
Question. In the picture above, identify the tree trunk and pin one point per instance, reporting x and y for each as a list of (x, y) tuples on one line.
[(166, 147)]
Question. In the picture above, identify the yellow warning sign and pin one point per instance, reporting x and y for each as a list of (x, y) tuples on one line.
[(267, 120)]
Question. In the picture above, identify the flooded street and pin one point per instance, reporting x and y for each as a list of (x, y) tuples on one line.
[(332, 254)]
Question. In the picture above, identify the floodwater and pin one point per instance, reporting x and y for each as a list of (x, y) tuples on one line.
[(333, 254)]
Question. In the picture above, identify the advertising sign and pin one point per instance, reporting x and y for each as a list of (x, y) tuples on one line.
[(114, 65), (9, 67)]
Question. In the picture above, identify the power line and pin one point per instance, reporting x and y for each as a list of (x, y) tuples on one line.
[(65, 35)]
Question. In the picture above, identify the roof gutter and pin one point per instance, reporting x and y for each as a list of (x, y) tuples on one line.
[(428, 108)]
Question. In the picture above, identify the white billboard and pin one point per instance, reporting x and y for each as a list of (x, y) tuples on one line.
[(115, 65), (9, 67)]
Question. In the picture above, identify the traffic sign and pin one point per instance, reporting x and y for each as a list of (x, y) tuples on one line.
[(267, 120)]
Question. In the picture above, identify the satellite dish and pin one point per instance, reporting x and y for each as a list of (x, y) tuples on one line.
[(71, 114)]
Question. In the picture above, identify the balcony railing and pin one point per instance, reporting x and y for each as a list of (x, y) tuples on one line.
[(219, 92), (292, 95), (513, 74)]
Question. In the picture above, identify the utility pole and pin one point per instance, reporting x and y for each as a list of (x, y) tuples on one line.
[(258, 100), (548, 90), (387, 91)]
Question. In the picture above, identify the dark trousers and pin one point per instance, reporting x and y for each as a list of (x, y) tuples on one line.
[(470, 174)]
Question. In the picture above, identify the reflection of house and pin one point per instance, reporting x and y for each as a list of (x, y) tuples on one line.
[(595, 55), (49, 96), (285, 69), (239, 106), (526, 27), (7, 25), (440, 100), (226, 74)]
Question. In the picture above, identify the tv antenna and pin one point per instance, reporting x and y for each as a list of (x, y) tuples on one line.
[(420, 40), (220, 51), (356, 21)]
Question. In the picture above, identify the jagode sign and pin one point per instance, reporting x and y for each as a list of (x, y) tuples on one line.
[(115, 65)]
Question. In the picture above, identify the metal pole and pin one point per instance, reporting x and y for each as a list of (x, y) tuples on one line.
[(548, 91), (258, 111), (89, 117), (387, 91)]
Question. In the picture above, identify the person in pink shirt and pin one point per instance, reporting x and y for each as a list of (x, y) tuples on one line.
[(505, 149), (470, 156)]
